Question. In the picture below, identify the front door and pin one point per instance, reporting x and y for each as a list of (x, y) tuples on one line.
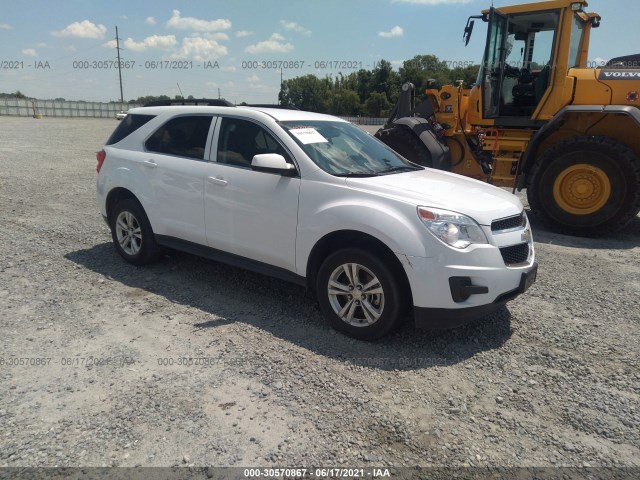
[(250, 213)]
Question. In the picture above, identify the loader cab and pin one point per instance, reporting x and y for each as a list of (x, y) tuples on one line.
[(517, 66)]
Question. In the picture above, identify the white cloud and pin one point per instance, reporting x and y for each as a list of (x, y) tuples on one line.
[(5, 26), (73, 49), (196, 24), (199, 49), (253, 78), (214, 36), (150, 20), (243, 33), (41, 45), (84, 29), (154, 41), (124, 17), (274, 44), (294, 27), (110, 44), (598, 62), (432, 2), (30, 52), (396, 31)]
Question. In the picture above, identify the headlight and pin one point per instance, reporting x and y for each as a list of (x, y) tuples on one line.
[(452, 228)]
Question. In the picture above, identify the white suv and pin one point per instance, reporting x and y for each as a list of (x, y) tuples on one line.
[(315, 200)]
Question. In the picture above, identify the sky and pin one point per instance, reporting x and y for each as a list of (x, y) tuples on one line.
[(240, 49)]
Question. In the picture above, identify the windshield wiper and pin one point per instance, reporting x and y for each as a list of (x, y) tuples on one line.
[(400, 168)]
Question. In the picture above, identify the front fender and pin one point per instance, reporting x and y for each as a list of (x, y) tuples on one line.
[(390, 221)]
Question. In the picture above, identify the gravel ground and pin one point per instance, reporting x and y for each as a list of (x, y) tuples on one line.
[(191, 362)]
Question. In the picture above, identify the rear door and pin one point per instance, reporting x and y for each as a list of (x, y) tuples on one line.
[(249, 213), (175, 166)]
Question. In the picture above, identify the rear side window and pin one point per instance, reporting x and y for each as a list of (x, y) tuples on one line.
[(127, 126), (181, 136)]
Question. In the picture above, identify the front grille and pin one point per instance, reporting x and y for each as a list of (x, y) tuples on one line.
[(517, 221), (515, 254)]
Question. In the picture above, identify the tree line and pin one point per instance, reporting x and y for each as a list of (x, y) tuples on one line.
[(364, 92), (371, 92)]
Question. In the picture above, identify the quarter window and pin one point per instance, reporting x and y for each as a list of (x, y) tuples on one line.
[(181, 136), (128, 125)]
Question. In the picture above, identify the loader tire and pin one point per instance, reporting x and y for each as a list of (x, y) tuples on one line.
[(403, 141), (586, 186)]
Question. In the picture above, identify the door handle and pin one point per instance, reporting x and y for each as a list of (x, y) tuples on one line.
[(151, 163), (217, 181)]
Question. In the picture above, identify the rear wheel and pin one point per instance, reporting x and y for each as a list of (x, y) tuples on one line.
[(586, 186), (132, 234), (359, 294)]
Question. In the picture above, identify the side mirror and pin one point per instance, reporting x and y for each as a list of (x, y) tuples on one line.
[(272, 163), (468, 30)]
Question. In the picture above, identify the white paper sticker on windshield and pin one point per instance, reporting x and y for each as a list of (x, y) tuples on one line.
[(308, 135)]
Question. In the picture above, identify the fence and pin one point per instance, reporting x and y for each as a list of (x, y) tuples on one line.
[(366, 120), (26, 107)]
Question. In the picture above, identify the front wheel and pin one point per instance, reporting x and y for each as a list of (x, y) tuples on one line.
[(586, 186), (359, 294)]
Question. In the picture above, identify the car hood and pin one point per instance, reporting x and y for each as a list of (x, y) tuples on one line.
[(435, 188)]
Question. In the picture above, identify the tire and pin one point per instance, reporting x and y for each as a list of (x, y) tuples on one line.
[(406, 143), (366, 304), (132, 234), (585, 186)]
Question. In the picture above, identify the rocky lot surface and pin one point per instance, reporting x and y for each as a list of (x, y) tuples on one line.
[(192, 362)]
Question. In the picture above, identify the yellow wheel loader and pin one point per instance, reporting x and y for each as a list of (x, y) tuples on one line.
[(537, 118)]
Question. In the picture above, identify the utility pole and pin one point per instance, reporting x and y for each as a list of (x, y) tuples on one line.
[(119, 66)]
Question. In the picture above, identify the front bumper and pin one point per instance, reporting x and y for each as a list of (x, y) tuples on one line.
[(444, 318)]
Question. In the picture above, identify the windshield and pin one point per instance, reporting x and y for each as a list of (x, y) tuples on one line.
[(342, 149)]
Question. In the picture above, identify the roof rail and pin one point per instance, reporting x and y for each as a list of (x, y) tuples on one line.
[(268, 105), (210, 102)]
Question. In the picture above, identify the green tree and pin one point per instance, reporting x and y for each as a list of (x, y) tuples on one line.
[(306, 93), (377, 105), (149, 98), (468, 75), (362, 81), (385, 80), (421, 68), (343, 102), (19, 94)]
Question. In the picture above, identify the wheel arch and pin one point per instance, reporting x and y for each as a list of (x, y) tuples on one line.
[(115, 196), (620, 122), (341, 239), (586, 185)]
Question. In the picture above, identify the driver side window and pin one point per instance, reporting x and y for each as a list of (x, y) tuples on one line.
[(240, 140)]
